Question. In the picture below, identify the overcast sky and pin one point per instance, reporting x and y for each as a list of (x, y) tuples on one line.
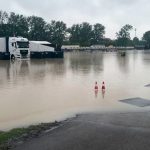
[(113, 14)]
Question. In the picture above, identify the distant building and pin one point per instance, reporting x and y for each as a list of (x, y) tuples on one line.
[(97, 47), (110, 46), (140, 47), (70, 47)]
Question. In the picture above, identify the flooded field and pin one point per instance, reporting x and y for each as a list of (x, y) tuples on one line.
[(38, 91)]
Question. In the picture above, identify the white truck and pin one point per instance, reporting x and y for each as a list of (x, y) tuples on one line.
[(14, 47), (44, 49)]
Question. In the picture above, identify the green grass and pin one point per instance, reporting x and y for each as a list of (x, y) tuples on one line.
[(18, 132), (5, 136)]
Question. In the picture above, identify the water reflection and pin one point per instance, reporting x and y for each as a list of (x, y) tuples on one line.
[(46, 90), (15, 71), (4, 71), (103, 93), (123, 63), (96, 93), (145, 57), (86, 62)]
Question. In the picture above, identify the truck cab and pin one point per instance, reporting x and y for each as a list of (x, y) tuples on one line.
[(18, 48)]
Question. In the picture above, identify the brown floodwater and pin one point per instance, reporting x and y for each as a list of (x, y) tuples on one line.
[(38, 91)]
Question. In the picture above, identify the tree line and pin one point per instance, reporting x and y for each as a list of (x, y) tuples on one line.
[(57, 32)]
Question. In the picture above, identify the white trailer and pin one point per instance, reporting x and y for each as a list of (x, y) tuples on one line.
[(14, 47), (44, 49)]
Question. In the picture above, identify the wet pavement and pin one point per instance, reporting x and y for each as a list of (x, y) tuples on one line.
[(148, 85), (106, 131), (140, 102)]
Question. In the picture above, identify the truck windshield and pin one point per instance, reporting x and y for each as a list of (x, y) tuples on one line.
[(23, 44)]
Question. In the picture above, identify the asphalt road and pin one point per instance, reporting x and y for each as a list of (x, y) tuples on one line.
[(111, 131)]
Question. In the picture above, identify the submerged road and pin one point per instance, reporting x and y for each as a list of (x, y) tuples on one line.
[(109, 131)]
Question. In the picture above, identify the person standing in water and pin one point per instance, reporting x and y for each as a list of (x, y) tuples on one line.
[(96, 86), (96, 89), (103, 89), (103, 85)]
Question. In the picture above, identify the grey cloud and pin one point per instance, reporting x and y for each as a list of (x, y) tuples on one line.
[(112, 13)]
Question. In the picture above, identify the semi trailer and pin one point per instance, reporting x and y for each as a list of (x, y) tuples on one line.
[(14, 47), (44, 49)]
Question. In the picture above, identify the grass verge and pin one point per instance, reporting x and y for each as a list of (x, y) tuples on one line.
[(11, 138)]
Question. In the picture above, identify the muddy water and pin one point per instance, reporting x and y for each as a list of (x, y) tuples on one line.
[(38, 91)]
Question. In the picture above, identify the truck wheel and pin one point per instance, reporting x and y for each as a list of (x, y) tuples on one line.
[(12, 57)]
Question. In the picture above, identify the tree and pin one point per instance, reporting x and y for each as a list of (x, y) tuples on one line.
[(3, 17), (37, 28), (74, 34), (3, 23), (123, 36), (136, 41), (146, 38), (13, 24), (57, 31), (85, 34), (18, 25), (108, 42), (98, 33)]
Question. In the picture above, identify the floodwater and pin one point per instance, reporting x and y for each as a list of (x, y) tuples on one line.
[(38, 91)]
